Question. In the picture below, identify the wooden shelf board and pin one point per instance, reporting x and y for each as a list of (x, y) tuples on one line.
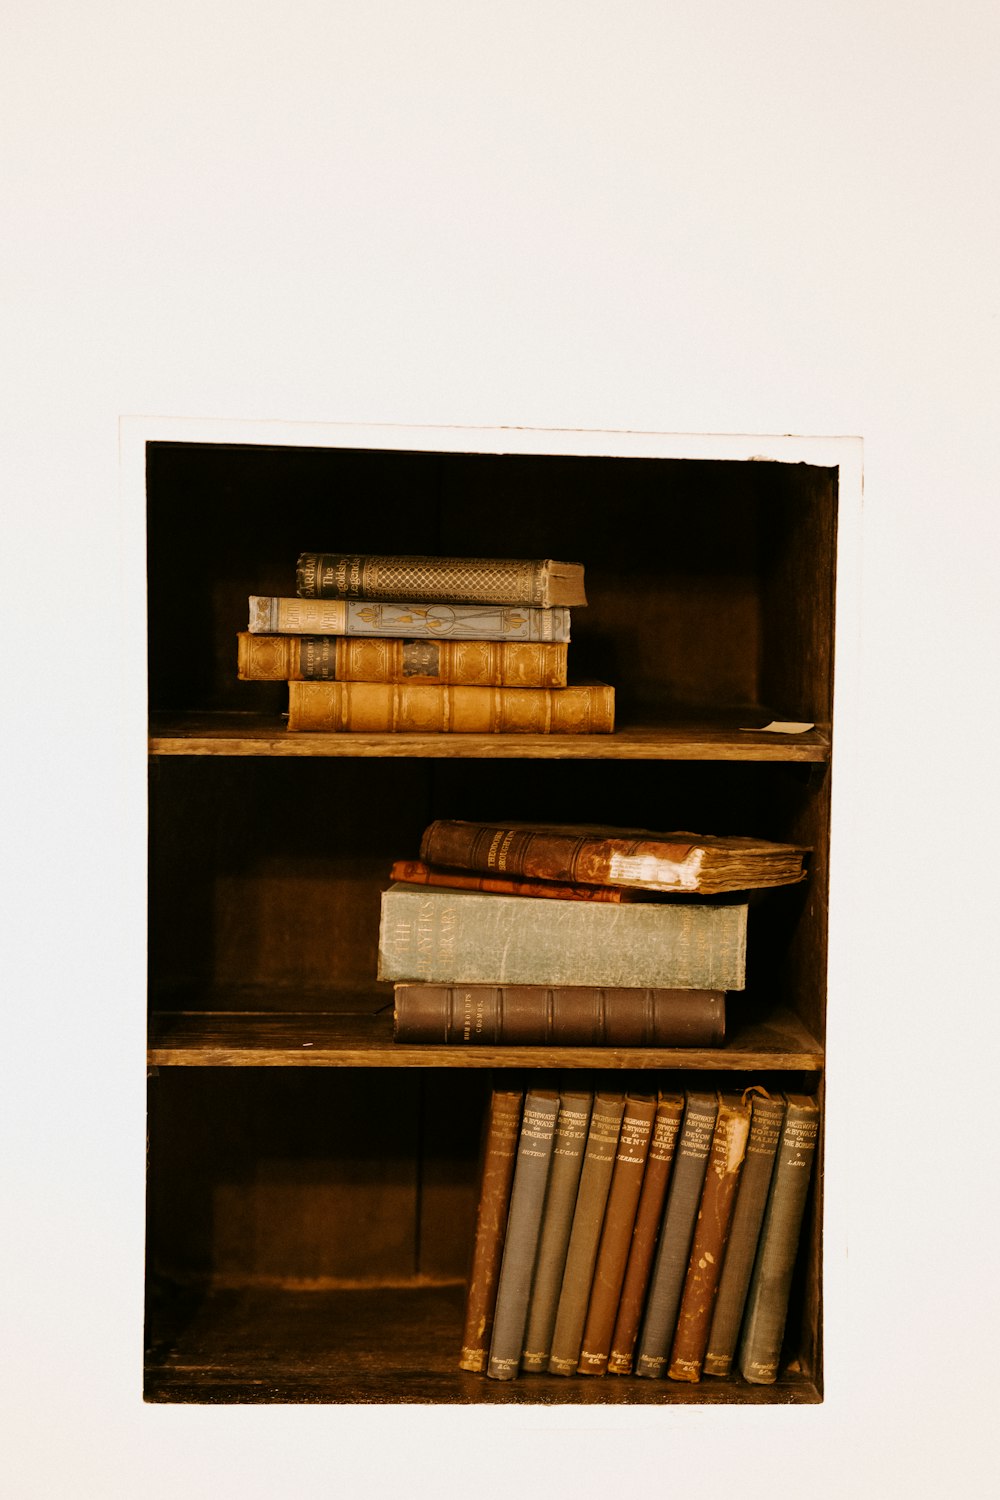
[(711, 740), (376, 1345), (362, 1038)]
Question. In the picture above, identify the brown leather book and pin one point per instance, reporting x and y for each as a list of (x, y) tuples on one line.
[(593, 854), (496, 1175), (414, 708), (542, 582), (339, 658), (616, 1234), (649, 1213), (418, 872), (566, 1016), (711, 1236)]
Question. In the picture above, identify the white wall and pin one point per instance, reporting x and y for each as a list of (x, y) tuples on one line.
[(689, 217)]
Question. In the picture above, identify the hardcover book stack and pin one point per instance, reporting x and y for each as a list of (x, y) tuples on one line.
[(426, 644), (623, 1232)]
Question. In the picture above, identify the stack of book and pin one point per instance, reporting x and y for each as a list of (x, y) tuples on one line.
[(623, 1232), (426, 644)]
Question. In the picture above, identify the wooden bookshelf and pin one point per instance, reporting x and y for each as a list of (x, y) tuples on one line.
[(312, 1184)]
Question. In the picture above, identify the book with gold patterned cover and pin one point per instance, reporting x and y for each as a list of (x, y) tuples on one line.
[(338, 658), (414, 708), (428, 580), (413, 620)]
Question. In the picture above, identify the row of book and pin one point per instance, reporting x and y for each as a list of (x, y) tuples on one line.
[(425, 644), (627, 1233)]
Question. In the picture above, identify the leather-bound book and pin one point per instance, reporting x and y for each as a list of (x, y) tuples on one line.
[(415, 708), (616, 1233), (531, 1172), (770, 1283), (503, 1126), (659, 1165), (418, 872), (456, 622), (676, 1234), (585, 1235), (766, 1119), (341, 658), (572, 1124), (542, 582), (560, 1016), (711, 1236)]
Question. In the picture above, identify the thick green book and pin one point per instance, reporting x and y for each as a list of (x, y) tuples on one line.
[(475, 937)]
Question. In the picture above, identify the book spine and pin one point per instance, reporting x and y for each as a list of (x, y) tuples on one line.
[(557, 1221), (414, 708), (469, 937), (496, 1176), (584, 1240), (770, 1283), (616, 1234), (765, 1130), (320, 658), (531, 1170), (564, 854), (470, 622), (576, 1016), (711, 1236), (659, 1165), (676, 1234), (431, 580), (417, 872)]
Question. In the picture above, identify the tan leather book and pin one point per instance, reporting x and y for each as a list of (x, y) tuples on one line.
[(410, 708), (354, 617), (338, 658), (418, 872), (496, 1175), (543, 582)]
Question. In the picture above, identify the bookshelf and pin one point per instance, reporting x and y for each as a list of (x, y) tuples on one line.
[(311, 1185)]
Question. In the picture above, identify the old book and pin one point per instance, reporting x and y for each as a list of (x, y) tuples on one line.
[(471, 937), (770, 1283), (616, 1233), (766, 1119), (471, 622), (563, 1016), (585, 1234), (711, 1237), (418, 872), (413, 708), (648, 1217), (542, 582), (593, 854), (531, 1172), (340, 658), (496, 1175), (557, 1220), (676, 1234)]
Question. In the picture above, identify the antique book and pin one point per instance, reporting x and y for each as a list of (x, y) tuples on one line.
[(649, 1214), (585, 1234), (503, 1125), (596, 855), (558, 1015), (616, 1233), (341, 658), (572, 1124), (542, 582), (766, 1119), (473, 937), (531, 1172), (418, 872), (414, 708), (471, 622), (711, 1237), (676, 1234), (770, 1283)]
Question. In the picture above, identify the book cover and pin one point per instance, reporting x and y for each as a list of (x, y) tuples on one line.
[(592, 854), (572, 1124), (616, 1233), (503, 1125), (470, 937), (771, 1280), (341, 658), (418, 872), (542, 582), (766, 1119), (415, 708), (711, 1236), (585, 1234), (564, 1016), (472, 622)]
